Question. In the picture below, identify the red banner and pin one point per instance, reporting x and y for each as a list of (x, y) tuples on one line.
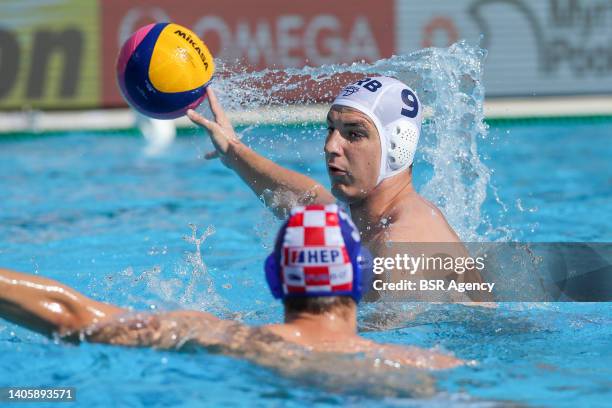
[(260, 34)]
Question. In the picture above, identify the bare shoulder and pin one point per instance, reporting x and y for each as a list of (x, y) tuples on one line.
[(404, 356), (418, 220)]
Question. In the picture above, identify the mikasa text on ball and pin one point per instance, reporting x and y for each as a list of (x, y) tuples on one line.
[(163, 69)]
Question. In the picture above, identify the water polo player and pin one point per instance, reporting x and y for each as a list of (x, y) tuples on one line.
[(373, 130), (315, 268)]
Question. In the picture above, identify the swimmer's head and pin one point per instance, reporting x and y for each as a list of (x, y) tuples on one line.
[(373, 130), (317, 254)]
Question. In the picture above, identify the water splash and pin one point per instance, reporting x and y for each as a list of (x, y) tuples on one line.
[(449, 84), (189, 285), (199, 273)]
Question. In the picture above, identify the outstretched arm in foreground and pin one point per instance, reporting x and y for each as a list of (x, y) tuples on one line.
[(288, 187), (47, 306)]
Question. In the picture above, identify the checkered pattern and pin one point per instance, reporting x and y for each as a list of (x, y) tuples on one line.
[(314, 258)]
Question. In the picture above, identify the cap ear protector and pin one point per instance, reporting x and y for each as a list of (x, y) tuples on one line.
[(402, 136), (272, 266), (272, 276)]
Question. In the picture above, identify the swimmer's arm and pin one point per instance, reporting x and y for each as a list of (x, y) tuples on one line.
[(280, 188), (178, 330), (47, 306), (260, 174)]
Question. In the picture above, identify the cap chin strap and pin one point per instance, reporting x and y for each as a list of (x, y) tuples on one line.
[(395, 156)]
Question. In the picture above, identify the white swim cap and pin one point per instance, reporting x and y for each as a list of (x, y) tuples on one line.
[(396, 112)]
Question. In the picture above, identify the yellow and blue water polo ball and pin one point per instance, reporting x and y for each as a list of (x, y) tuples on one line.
[(163, 69)]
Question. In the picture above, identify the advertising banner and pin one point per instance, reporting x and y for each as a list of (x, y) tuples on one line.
[(61, 54), (49, 54), (536, 48), (258, 34)]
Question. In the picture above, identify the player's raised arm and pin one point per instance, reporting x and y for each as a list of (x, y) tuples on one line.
[(47, 306), (288, 188)]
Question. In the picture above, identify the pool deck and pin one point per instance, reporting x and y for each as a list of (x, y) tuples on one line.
[(499, 108)]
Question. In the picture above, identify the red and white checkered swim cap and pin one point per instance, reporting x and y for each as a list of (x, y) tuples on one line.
[(317, 253)]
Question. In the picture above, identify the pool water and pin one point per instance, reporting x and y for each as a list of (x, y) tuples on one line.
[(94, 211)]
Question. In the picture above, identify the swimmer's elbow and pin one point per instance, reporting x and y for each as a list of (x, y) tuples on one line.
[(48, 318), (281, 204), (64, 319), (323, 196), (316, 195)]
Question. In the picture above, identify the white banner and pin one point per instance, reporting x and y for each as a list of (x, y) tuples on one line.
[(536, 47)]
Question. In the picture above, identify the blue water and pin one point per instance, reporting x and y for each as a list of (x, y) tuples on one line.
[(96, 213)]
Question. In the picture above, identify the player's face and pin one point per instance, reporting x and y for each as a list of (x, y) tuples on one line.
[(352, 153)]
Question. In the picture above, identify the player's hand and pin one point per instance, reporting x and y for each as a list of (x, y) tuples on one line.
[(220, 130)]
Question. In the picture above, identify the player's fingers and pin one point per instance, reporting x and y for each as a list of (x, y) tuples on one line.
[(216, 107), (198, 119)]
